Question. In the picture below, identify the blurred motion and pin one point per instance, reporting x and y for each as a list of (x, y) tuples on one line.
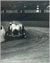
[(2, 34)]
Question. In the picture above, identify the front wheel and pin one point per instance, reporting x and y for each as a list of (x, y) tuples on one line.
[(7, 37), (24, 35)]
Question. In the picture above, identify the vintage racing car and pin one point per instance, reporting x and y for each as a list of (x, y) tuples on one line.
[(15, 31)]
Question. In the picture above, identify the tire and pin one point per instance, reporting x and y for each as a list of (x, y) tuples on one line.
[(6, 36), (25, 37)]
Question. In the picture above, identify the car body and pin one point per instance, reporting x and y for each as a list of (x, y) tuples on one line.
[(15, 31)]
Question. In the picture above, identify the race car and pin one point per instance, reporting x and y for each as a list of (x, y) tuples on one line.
[(15, 31)]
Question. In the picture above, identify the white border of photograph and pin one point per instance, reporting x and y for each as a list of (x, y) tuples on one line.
[(0, 25)]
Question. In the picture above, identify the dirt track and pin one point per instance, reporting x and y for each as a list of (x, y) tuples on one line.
[(35, 49)]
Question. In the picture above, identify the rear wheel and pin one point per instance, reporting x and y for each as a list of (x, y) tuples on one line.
[(25, 37)]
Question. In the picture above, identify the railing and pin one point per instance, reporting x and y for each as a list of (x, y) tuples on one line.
[(25, 16)]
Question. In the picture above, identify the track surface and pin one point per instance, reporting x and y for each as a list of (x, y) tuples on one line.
[(34, 49)]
